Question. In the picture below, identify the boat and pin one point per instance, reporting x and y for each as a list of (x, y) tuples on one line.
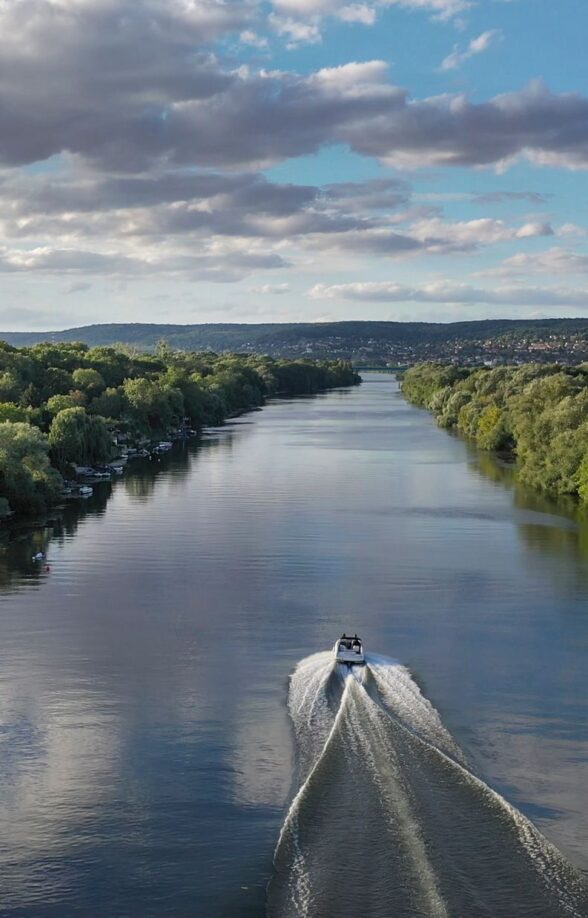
[(349, 650), (163, 447), (85, 491)]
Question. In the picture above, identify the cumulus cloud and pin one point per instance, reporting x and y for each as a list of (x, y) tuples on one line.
[(159, 219), (572, 229), (439, 9), (296, 31), (451, 293), (476, 46), (134, 88), (268, 117), (451, 130), (95, 64), (154, 142), (223, 266), (554, 261), (358, 12), (302, 19), (270, 289), (248, 37), (467, 235)]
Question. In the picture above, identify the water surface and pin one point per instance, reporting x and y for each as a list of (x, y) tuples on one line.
[(147, 758)]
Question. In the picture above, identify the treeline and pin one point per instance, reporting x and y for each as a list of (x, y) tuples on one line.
[(65, 404), (537, 412)]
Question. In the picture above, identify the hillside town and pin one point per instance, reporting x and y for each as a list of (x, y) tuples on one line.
[(497, 350)]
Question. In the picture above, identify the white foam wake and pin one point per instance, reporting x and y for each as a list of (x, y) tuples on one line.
[(387, 804)]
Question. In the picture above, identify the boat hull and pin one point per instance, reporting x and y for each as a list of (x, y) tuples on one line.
[(350, 657)]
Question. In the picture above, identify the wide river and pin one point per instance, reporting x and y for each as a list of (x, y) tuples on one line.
[(151, 740)]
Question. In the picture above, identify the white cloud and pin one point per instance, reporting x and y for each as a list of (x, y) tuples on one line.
[(554, 261), (68, 87), (451, 293), (218, 264), (358, 12), (154, 144), (476, 46), (296, 31), (572, 229), (270, 289), (248, 37), (464, 235), (439, 9)]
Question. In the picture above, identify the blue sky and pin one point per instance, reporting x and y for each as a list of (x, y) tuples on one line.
[(204, 161)]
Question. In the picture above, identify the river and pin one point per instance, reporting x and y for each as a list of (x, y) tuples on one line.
[(149, 748)]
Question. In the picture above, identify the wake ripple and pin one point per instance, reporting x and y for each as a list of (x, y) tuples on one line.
[(389, 822)]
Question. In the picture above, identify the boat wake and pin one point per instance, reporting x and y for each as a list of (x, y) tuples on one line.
[(389, 822)]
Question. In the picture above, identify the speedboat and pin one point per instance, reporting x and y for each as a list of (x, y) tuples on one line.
[(349, 650)]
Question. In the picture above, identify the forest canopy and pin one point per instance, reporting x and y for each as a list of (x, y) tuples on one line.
[(66, 404), (537, 412)]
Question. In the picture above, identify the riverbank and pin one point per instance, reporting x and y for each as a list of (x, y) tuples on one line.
[(536, 413), (68, 406)]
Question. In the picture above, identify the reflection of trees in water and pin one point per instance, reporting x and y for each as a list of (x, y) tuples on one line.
[(561, 530), (16, 556), (492, 467), (140, 485), (141, 476), (22, 540)]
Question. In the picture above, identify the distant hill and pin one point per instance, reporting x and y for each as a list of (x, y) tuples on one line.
[(359, 340)]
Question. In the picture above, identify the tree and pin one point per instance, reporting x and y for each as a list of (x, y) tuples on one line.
[(152, 405), (109, 404), (76, 437), (27, 480), (493, 432), (11, 412), (59, 403), (90, 381)]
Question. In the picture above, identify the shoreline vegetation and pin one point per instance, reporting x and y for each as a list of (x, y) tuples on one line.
[(65, 406), (536, 413)]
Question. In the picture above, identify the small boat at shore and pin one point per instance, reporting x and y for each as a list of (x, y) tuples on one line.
[(85, 491), (349, 650)]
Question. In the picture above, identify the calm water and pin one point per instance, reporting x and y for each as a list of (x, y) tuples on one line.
[(147, 756)]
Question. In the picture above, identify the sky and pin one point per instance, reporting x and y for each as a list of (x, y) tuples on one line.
[(196, 161)]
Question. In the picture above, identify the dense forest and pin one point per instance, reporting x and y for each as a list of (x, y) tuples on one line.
[(67, 404), (294, 337), (537, 412)]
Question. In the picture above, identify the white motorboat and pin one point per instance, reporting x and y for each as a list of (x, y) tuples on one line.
[(349, 649), (85, 491)]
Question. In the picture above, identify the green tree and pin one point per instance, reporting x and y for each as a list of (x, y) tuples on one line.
[(59, 403), (109, 404), (76, 437), (154, 405), (27, 481), (11, 412), (88, 380)]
